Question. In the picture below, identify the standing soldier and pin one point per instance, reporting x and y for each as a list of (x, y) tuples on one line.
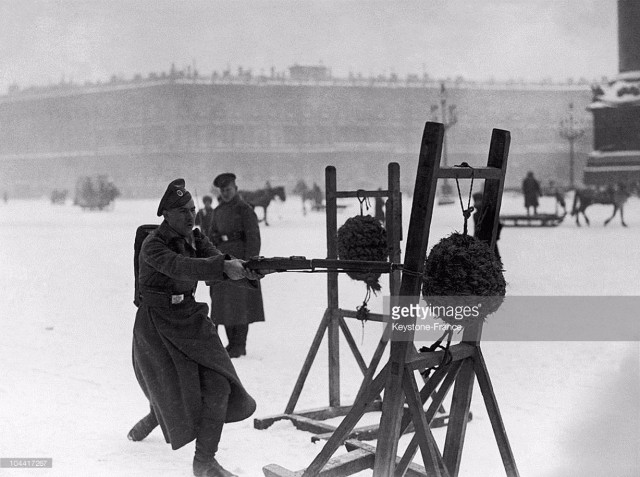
[(178, 359), (204, 217), (531, 190), (235, 231)]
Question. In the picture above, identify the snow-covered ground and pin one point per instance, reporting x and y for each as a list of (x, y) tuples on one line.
[(67, 388)]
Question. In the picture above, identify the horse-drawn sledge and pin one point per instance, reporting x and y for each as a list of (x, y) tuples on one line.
[(537, 220), (95, 192)]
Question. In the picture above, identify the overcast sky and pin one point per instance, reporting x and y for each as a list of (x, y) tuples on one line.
[(43, 41)]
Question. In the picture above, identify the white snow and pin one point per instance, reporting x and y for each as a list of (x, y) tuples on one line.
[(67, 388)]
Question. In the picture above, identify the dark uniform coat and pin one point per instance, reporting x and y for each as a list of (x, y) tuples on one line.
[(232, 305), (170, 341), (204, 218), (531, 190)]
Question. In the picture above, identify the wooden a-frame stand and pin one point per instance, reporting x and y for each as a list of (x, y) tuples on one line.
[(333, 320), (397, 378)]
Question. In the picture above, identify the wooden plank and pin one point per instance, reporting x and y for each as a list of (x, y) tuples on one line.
[(414, 470), (442, 392), (377, 317), (274, 470), (495, 417), (333, 336), (323, 413), (451, 374), (426, 391), (433, 358), (267, 421), (310, 425), (393, 218), (352, 345), (308, 362), (348, 423), (370, 433), (417, 238), (467, 172), (460, 403), (429, 450), (343, 194), (493, 188)]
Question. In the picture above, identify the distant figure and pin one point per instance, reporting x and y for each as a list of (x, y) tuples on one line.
[(380, 205), (204, 217), (5, 197), (559, 196), (316, 193), (531, 190), (478, 215)]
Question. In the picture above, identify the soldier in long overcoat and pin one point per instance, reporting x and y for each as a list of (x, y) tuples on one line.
[(205, 215), (178, 358), (235, 231), (531, 191)]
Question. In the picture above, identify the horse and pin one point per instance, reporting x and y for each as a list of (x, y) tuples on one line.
[(616, 196), (262, 198), (314, 194)]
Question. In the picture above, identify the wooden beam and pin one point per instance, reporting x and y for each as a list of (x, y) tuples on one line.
[(414, 470), (308, 362), (468, 172), (434, 358), (460, 403), (310, 425), (495, 417), (352, 345), (417, 238), (333, 336), (323, 413), (352, 194), (378, 317), (274, 470), (430, 454), (451, 373), (348, 423)]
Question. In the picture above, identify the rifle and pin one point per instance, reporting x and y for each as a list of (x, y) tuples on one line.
[(297, 263)]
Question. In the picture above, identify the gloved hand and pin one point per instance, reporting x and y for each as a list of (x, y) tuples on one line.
[(199, 239), (234, 269)]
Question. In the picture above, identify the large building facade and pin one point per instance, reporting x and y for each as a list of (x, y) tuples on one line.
[(146, 132)]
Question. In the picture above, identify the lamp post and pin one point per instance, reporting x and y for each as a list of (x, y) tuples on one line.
[(571, 131), (448, 117)]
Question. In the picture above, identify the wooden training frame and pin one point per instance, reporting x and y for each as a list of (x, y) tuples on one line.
[(397, 378), (333, 320)]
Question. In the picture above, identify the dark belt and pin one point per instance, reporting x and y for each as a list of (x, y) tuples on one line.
[(217, 239), (153, 298)]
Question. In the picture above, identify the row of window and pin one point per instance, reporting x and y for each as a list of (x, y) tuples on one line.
[(194, 137)]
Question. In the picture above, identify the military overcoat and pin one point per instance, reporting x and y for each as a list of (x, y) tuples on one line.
[(170, 341), (233, 305)]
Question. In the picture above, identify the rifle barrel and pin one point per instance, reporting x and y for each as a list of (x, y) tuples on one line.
[(333, 265)]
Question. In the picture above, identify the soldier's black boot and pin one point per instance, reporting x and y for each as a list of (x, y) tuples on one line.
[(143, 427), (210, 469), (204, 462), (237, 340), (231, 332)]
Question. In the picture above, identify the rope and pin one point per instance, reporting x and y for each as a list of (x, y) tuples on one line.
[(466, 213), (362, 312), (363, 200), (447, 358)]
